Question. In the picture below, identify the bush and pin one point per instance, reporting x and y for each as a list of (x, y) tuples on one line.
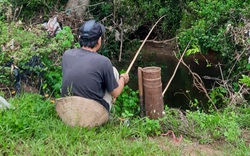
[(219, 27), (126, 104), (28, 9), (19, 46)]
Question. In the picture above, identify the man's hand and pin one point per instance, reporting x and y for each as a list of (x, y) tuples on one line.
[(125, 77)]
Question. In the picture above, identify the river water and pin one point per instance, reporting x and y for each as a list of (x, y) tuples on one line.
[(181, 90)]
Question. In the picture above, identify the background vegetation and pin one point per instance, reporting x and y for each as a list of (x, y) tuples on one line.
[(218, 27)]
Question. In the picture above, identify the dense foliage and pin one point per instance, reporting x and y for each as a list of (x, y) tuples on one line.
[(28, 9), (213, 26), (130, 13), (220, 27), (20, 45)]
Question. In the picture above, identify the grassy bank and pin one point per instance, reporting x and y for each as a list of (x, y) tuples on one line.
[(33, 128)]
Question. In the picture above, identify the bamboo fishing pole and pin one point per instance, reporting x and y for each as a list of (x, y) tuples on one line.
[(137, 53)]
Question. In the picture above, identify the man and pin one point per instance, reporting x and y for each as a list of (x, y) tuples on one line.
[(88, 74)]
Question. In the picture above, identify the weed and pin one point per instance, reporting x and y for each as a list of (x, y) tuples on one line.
[(127, 103)]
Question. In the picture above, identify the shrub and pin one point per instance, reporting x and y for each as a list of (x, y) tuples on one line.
[(219, 26), (21, 43), (126, 104)]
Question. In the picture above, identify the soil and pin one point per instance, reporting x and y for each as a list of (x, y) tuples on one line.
[(186, 148)]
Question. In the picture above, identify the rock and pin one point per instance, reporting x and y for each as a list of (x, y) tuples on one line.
[(3, 103)]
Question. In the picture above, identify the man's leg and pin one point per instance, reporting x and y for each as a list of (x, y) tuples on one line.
[(107, 96)]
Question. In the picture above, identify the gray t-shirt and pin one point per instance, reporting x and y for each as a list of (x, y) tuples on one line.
[(87, 74)]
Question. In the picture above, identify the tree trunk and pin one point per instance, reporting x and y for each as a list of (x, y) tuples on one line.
[(76, 8)]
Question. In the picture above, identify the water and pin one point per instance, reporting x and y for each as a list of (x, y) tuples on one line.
[(181, 90)]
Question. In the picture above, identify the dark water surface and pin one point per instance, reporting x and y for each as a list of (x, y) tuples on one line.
[(181, 89)]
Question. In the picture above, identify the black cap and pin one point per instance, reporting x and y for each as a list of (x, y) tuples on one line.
[(91, 30)]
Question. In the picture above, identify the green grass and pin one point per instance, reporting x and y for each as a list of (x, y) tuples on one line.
[(33, 128)]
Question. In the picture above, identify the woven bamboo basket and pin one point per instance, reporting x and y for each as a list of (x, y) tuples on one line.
[(79, 111)]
